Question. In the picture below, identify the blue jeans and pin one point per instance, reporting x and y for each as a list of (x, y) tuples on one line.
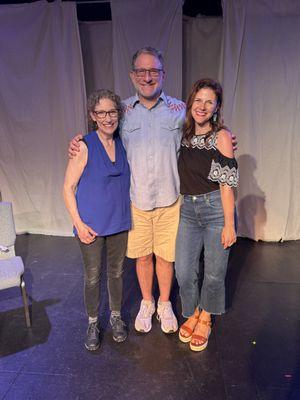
[(201, 224)]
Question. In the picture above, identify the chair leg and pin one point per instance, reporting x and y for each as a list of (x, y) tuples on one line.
[(25, 302)]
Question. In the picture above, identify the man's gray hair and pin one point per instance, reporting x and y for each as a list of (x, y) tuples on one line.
[(147, 50)]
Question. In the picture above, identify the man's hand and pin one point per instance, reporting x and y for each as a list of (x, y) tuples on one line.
[(74, 146), (234, 142)]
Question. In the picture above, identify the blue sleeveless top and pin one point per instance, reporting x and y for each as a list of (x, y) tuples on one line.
[(103, 190)]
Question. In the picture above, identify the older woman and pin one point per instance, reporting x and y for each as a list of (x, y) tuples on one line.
[(100, 209), (208, 172)]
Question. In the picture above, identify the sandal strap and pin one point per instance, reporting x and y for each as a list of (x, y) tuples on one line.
[(200, 338), (193, 317), (186, 329), (203, 322)]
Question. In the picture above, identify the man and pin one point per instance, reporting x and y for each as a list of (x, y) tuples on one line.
[(151, 134)]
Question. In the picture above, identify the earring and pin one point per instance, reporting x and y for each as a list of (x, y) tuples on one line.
[(214, 117)]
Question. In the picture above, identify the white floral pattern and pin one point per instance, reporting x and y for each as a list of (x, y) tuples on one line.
[(223, 174), (200, 142)]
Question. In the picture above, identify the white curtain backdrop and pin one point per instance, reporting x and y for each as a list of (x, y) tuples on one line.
[(201, 52), (42, 97), (138, 23), (42, 103), (96, 44), (262, 106), (202, 39)]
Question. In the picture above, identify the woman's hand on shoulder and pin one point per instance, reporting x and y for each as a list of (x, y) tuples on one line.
[(224, 143)]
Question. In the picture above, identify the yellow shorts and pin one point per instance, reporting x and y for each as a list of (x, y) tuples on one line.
[(154, 231)]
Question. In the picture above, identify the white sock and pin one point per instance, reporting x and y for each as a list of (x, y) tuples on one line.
[(163, 302), (149, 301), (115, 314), (92, 320)]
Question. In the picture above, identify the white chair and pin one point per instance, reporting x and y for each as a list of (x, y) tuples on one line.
[(11, 266)]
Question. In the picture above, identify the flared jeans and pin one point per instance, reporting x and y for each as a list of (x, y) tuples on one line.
[(200, 226)]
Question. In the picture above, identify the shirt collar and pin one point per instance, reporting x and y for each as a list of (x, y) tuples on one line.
[(162, 97)]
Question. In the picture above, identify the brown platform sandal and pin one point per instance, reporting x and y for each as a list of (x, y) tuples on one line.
[(202, 339), (185, 328)]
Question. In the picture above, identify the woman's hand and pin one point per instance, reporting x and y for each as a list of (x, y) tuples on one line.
[(74, 146), (228, 237), (85, 233)]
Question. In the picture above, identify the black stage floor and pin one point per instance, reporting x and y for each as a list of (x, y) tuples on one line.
[(253, 352)]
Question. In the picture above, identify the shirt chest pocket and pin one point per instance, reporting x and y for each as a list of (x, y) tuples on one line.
[(170, 133), (132, 135)]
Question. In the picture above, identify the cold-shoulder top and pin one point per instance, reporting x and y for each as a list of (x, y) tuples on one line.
[(203, 168)]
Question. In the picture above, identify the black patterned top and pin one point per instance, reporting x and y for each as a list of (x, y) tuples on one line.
[(202, 168)]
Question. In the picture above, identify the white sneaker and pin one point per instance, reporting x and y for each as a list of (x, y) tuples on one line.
[(165, 315), (143, 321)]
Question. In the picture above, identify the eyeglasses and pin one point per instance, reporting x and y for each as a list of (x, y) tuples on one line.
[(102, 114), (153, 72)]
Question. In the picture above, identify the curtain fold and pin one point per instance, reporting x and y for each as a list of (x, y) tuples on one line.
[(202, 39), (156, 23), (97, 45), (260, 72), (42, 97), (42, 103)]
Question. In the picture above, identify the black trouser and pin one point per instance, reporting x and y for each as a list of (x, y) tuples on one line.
[(116, 246)]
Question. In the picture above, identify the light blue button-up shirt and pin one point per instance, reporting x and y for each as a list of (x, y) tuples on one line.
[(152, 140)]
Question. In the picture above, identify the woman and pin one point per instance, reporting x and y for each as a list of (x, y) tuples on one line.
[(208, 172), (100, 210)]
